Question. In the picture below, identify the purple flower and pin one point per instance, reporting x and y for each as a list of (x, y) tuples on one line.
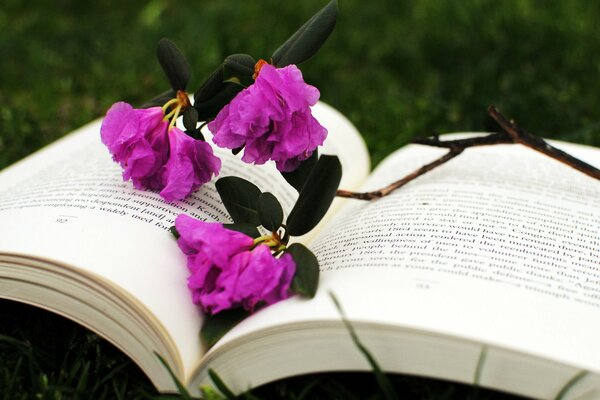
[(227, 272), (154, 154), (272, 119)]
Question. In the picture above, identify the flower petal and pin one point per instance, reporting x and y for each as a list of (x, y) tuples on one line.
[(272, 118)]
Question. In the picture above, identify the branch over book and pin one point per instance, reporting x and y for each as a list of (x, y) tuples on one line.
[(462, 259)]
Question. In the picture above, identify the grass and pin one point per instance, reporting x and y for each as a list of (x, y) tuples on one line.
[(396, 69)]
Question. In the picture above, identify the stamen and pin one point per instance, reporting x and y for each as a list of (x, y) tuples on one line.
[(169, 115), (261, 239), (169, 104), (172, 124), (280, 248), (257, 67)]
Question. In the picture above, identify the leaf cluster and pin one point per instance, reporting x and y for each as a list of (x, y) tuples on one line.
[(237, 70), (317, 181)]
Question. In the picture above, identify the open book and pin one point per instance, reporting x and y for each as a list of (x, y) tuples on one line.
[(496, 253)]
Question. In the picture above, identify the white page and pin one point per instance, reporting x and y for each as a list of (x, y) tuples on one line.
[(420, 258), (68, 203), (73, 207)]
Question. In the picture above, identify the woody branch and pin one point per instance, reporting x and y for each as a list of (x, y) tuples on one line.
[(512, 134)]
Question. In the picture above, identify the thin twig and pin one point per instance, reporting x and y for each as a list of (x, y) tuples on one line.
[(512, 134), (390, 188), (525, 138), (493, 138)]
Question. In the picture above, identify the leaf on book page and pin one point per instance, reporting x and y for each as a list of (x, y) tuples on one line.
[(306, 279), (316, 196), (174, 64), (190, 118), (240, 198), (245, 228), (307, 40), (195, 134), (270, 212), (298, 177), (237, 150), (239, 68), (215, 326), (174, 232)]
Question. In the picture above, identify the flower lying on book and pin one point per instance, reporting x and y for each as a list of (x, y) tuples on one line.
[(230, 269), (257, 106), (271, 119), (154, 153), (264, 109), (234, 268)]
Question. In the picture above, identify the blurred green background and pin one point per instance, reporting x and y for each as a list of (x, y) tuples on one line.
[(397, 69)]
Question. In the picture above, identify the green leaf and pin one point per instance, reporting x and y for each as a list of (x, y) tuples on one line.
[(245, 228), (306, 279), (196, 134), (174, 232), (270, 212), (190, 118), (215, 93), (240, 198), (240, 67), (211, 86), (159, 100), (237, 150), (298, 177), (209, 108), (174, 64), (307, 40), (316, 196), (229, 395), (215, 326)]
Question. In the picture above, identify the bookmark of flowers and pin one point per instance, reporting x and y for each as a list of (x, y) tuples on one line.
[(236, 268), (270, 119), (262, 108)]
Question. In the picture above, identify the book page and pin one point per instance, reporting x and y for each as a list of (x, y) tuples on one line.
[(71, 205), (68, 203), (503, 241), (499, 246)]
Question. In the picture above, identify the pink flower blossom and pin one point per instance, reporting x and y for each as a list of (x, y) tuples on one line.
[(226, 272), (272, 119), (153, 154)]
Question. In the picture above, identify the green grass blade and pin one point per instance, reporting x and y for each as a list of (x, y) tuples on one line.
[(180, 387), (571, 384), (385, 385), (221, 385), (478, 372)]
